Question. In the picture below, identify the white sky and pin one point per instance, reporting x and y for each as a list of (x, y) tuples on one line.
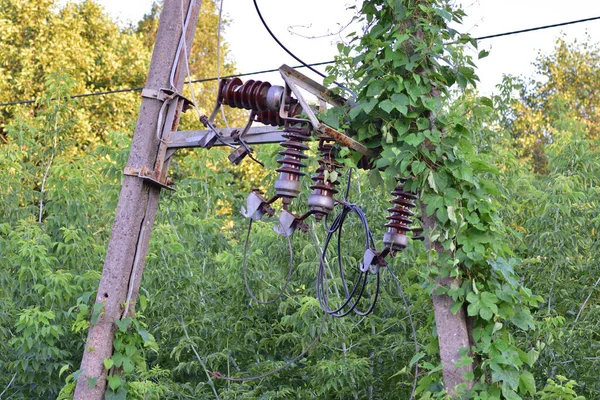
[(253, 49)]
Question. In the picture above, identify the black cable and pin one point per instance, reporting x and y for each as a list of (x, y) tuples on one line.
[(304, 65), (245, 269), (294, 56), (353, 296), (139, 89), (537, 28)]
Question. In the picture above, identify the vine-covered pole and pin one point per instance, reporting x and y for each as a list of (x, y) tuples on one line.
[(452, 327), (138, 201)]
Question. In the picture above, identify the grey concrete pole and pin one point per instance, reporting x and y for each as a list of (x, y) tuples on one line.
[(138, 202)]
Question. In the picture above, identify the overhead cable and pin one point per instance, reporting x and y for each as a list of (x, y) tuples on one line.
[(139, 89), (539, 28), (294, 56)]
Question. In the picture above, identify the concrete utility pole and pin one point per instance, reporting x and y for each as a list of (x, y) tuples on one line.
[(454, 330), (138, 201)]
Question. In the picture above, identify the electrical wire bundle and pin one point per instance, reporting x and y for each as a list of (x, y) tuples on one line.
[(354, 295)]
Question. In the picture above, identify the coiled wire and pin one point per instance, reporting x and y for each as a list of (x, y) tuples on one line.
[(354, 295)]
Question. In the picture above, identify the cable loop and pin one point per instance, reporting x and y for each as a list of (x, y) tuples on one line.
[(355, 294)]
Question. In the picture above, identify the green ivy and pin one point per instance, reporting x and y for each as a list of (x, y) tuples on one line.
[(405, 66)]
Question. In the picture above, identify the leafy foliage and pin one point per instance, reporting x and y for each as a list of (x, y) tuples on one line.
[(61, 163)]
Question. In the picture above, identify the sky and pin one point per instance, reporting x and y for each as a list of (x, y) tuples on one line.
[(253, 49)]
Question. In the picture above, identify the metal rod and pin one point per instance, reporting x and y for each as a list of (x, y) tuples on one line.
[(255, 135)]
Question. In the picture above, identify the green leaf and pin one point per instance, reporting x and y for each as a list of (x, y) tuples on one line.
[(128, 365), (118, 359), (416, 358), (114, 381), (506, 269), (375, 178), (508, 375), (92, 382), (144, 334), (483, 54), (451, 214), (456, 306), (474, 304), (387, 106), (375, 88), (98, 310), (523, 320), (108, 363), (123, 324), (401, 102), (130, 349), (414, 139), (486, 313), (527, 383), (63, 369), (76, 374), (120, 394), (422, 123), (489, 300), (431, 181)]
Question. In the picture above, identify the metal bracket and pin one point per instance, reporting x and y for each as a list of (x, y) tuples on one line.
[(295, 80), (372, 261), (288, 223), (257, 206), (209, 139), (163, 94), (148, 176)]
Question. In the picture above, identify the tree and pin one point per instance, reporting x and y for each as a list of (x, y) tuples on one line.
[(552, 203), (566, 86), (194, 319)]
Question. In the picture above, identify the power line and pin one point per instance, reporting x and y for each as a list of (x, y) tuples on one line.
[(539, 28), (139, 89), (293, 55)]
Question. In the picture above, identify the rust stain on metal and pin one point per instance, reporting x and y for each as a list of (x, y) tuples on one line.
[(345, 140), (323, 91)]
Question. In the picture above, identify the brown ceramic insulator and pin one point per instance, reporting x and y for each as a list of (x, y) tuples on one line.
[(269, 118), (273, 118), (327, 162), (251, 95), (401, 213), (293, 152), (288, 186)]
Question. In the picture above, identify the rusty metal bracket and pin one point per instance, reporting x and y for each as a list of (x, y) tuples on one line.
[(163, 94), (294, 81), (148, 176)]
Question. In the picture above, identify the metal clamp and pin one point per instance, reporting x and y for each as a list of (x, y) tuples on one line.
[(257, 206), (372, 261), (163, 94), (288, 223), (148, 176)]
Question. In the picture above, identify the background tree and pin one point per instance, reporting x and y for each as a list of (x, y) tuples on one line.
[(565, 87), (61, 164)]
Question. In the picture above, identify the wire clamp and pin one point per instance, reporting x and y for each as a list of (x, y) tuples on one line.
[(372, 261), (288, 223), (163, 94), (256, 206)]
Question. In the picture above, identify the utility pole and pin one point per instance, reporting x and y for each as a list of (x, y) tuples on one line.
[(138, 201), (453, 329)]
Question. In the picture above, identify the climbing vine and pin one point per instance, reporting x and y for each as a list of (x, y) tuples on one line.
[(409, 65)]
